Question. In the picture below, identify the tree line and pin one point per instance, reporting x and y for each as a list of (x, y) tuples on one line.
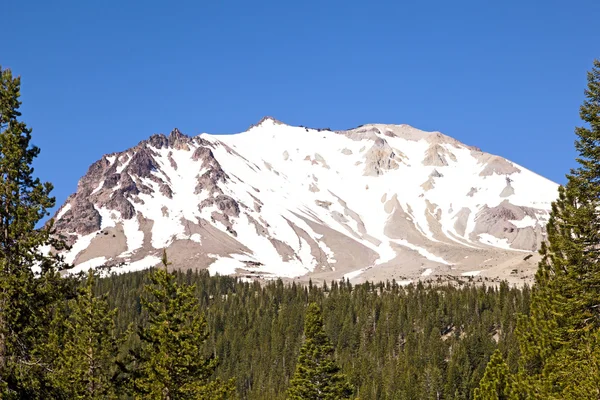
[(185, 335)]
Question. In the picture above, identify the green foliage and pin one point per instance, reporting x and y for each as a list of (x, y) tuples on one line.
[(495, 384), (169, 363), (317, 375), (28, 300), (392, 342), (86, 347), (558, 340)]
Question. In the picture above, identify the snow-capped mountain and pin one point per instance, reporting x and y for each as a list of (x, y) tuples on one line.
[(375, 202)]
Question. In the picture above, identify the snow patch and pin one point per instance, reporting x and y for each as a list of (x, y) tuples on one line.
[(121, 167), (107, 218), (145, 263), (422, 251), (63, 211), (490, 240), (100, 185), (524, 223), (87, 265), (225, 266), (81, 243), (135, 237), (353, 274)]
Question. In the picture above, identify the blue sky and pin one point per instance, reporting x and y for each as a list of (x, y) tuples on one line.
[(100, 76)]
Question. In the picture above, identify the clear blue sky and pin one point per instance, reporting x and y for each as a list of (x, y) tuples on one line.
[(99, 76)]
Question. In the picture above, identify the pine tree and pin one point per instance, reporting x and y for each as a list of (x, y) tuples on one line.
[(495, 384), (317, 376), (170, 362), (88, 346), (565, 304), (29, 284)]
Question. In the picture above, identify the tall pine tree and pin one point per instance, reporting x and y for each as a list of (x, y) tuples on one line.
[(495, 384), (86, 347), (29, 284), (558, 357), (317, 376), (170, 363)]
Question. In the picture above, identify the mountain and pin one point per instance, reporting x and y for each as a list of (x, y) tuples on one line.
[(375, 202)]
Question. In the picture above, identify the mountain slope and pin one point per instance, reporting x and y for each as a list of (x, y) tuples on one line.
[(375, 202)]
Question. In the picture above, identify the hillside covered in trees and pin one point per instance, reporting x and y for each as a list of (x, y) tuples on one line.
[(392, 342)]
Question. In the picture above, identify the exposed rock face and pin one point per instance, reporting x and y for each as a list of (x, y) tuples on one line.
[(115, 181), (508, 190), (495, 165), (438, 156), (380, 158), (374, 201), (430, 182), (498, 222), (82, 218)]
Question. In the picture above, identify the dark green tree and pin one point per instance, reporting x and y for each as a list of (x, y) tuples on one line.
[(170, 363), (565, 304), (87, 347), (495, 384), (30, 287), (317, 375)]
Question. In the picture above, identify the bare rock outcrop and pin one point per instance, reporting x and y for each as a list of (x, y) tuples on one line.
[(82, 218), (437, 155), (494, 165), (508, 189), (496, 221), (380, 158)]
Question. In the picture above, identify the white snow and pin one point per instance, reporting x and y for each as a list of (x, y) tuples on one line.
[(305, 255), (184, 203), (264, 252), (225, 266), (80, 244), (63, 211), (124, 164), (488, 239), (427, 272), (98, 188), (422, 251), (353, 274), (525, 222), (144, 263), (471, 273), (135, 237), (87, 265), (108, 218)]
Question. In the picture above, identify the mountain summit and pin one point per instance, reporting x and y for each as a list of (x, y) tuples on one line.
[(374, 202)]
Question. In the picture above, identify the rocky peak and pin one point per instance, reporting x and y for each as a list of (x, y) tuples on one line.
[(267, 118), (380, 157), (178, 140), (175, 134)]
